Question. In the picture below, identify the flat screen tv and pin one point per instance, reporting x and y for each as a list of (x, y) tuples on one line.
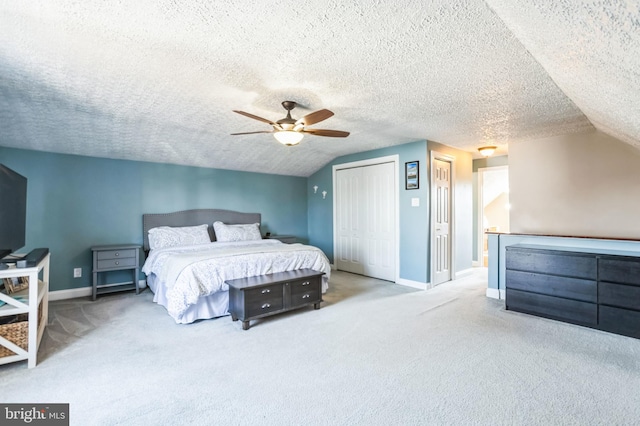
[(13, 211)]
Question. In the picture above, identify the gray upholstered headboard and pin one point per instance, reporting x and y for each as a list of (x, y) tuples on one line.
[(194, 217)]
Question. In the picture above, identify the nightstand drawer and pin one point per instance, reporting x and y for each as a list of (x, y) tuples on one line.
[(128, 262), (116, 254)]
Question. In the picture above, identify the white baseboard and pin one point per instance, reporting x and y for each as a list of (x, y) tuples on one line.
[(83, 291), (70, 294), (463, 273), (494, 293), (475, 263), (410, 283)]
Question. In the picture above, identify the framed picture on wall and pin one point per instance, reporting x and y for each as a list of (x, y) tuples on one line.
[(411, 175)]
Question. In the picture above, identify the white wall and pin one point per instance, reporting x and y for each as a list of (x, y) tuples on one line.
[(575, 185)]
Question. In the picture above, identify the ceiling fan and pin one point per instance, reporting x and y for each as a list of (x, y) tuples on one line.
[(289, 131)]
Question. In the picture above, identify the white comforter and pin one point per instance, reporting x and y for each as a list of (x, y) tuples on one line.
[(191, 272)]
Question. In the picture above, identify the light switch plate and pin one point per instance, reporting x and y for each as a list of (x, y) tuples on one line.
[(415, 202)]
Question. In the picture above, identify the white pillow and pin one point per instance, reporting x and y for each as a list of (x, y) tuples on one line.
[(248, 232), (166, 236)]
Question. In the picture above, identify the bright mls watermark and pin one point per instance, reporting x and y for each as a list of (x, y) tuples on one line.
[(34, 414)]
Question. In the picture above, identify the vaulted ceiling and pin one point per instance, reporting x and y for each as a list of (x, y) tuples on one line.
[(157, 80)]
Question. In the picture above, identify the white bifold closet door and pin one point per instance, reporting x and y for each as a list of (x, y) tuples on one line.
[(365, 221)]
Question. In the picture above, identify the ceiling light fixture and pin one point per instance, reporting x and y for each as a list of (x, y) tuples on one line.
[(487, 150), (288, 137), (289, 131)]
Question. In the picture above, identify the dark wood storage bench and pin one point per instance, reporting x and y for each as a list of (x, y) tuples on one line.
[(593, 288), (264, 295)]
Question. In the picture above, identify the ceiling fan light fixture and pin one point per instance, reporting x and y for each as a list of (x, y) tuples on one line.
[(487, 151), (289, 131), (288, 137)]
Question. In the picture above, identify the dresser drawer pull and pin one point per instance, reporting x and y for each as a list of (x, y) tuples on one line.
[(266, 290), (117, 254), (306, 296), (306, 283), (266, 305), (117, 263)]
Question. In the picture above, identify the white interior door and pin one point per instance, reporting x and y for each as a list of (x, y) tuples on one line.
[(349, 254), (365, 220), (441, 256), (379, 221)]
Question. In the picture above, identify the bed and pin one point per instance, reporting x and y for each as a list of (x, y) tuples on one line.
[(188, 259)]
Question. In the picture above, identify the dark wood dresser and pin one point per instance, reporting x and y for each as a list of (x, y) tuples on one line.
[(598, 289), (270, 294)]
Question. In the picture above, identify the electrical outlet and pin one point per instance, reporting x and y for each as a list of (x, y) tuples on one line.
[(77, 272)]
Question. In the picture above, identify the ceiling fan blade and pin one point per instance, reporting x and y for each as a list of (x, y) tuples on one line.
[(314, 117), (255, 117), (324, 132), (250, 133)]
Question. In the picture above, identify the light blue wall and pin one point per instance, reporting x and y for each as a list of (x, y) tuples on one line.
[(76, 202), (414, 221)]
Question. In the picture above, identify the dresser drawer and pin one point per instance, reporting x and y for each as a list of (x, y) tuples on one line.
[(263, 305), (306, 285), (620, 321), (620, 295), (568, 310), (264, 293), (305, 292), (128, 262), (116, 254), (553, 285), (552, 262), (305, 298), (624, 271)]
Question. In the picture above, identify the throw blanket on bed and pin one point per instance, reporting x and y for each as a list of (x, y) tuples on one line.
[(195, 271)]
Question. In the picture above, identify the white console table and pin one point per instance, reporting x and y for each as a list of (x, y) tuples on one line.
[(34, 302)]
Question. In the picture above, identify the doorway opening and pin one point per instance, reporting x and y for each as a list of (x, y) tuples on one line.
[(493, 208)]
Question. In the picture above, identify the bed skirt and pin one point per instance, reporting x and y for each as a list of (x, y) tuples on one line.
[(212, 306)]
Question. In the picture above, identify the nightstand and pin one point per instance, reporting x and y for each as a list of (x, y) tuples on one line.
[(115, 257), (287, 239)]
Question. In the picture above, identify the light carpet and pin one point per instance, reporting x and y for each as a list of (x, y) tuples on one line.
[(376, 353)]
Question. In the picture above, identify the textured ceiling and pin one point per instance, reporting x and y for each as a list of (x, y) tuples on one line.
[(157, 80)]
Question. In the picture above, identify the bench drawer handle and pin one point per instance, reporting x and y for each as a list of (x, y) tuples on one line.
[(306, 296), (266, 290), (266, 305), (306, 283)]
